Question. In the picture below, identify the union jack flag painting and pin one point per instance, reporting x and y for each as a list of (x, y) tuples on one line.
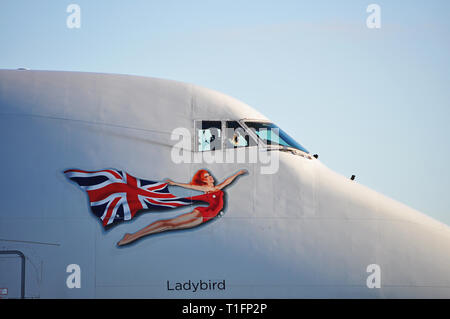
[(116, 195)]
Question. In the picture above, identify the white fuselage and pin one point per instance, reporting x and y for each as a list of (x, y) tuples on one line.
[(302, 232)]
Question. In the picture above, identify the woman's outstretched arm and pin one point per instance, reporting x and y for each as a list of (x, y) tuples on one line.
[(230, 179), (194, 187)]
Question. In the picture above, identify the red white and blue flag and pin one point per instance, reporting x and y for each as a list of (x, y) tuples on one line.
[(116, 195)]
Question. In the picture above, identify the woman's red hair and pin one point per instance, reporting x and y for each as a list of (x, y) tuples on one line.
[(198, 177)]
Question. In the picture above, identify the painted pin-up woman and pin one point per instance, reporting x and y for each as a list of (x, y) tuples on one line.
[(213, 195)]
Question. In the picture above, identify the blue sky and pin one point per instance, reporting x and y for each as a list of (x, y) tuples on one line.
[(371, 102)]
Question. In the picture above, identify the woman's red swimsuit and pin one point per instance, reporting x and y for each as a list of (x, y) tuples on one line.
[(215, 201)]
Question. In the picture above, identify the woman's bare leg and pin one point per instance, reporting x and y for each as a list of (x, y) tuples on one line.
[(187, 220)]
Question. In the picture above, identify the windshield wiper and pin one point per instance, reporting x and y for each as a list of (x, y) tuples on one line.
[(288, 149)]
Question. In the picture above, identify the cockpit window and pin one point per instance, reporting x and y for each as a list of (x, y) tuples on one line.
[(215, 135), (235, 136), (209, 135), (271, 134)]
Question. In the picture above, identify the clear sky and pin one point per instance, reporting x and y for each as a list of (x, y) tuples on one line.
[(371, 102)]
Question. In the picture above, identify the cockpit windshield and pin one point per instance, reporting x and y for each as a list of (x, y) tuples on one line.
[(271, 134)]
